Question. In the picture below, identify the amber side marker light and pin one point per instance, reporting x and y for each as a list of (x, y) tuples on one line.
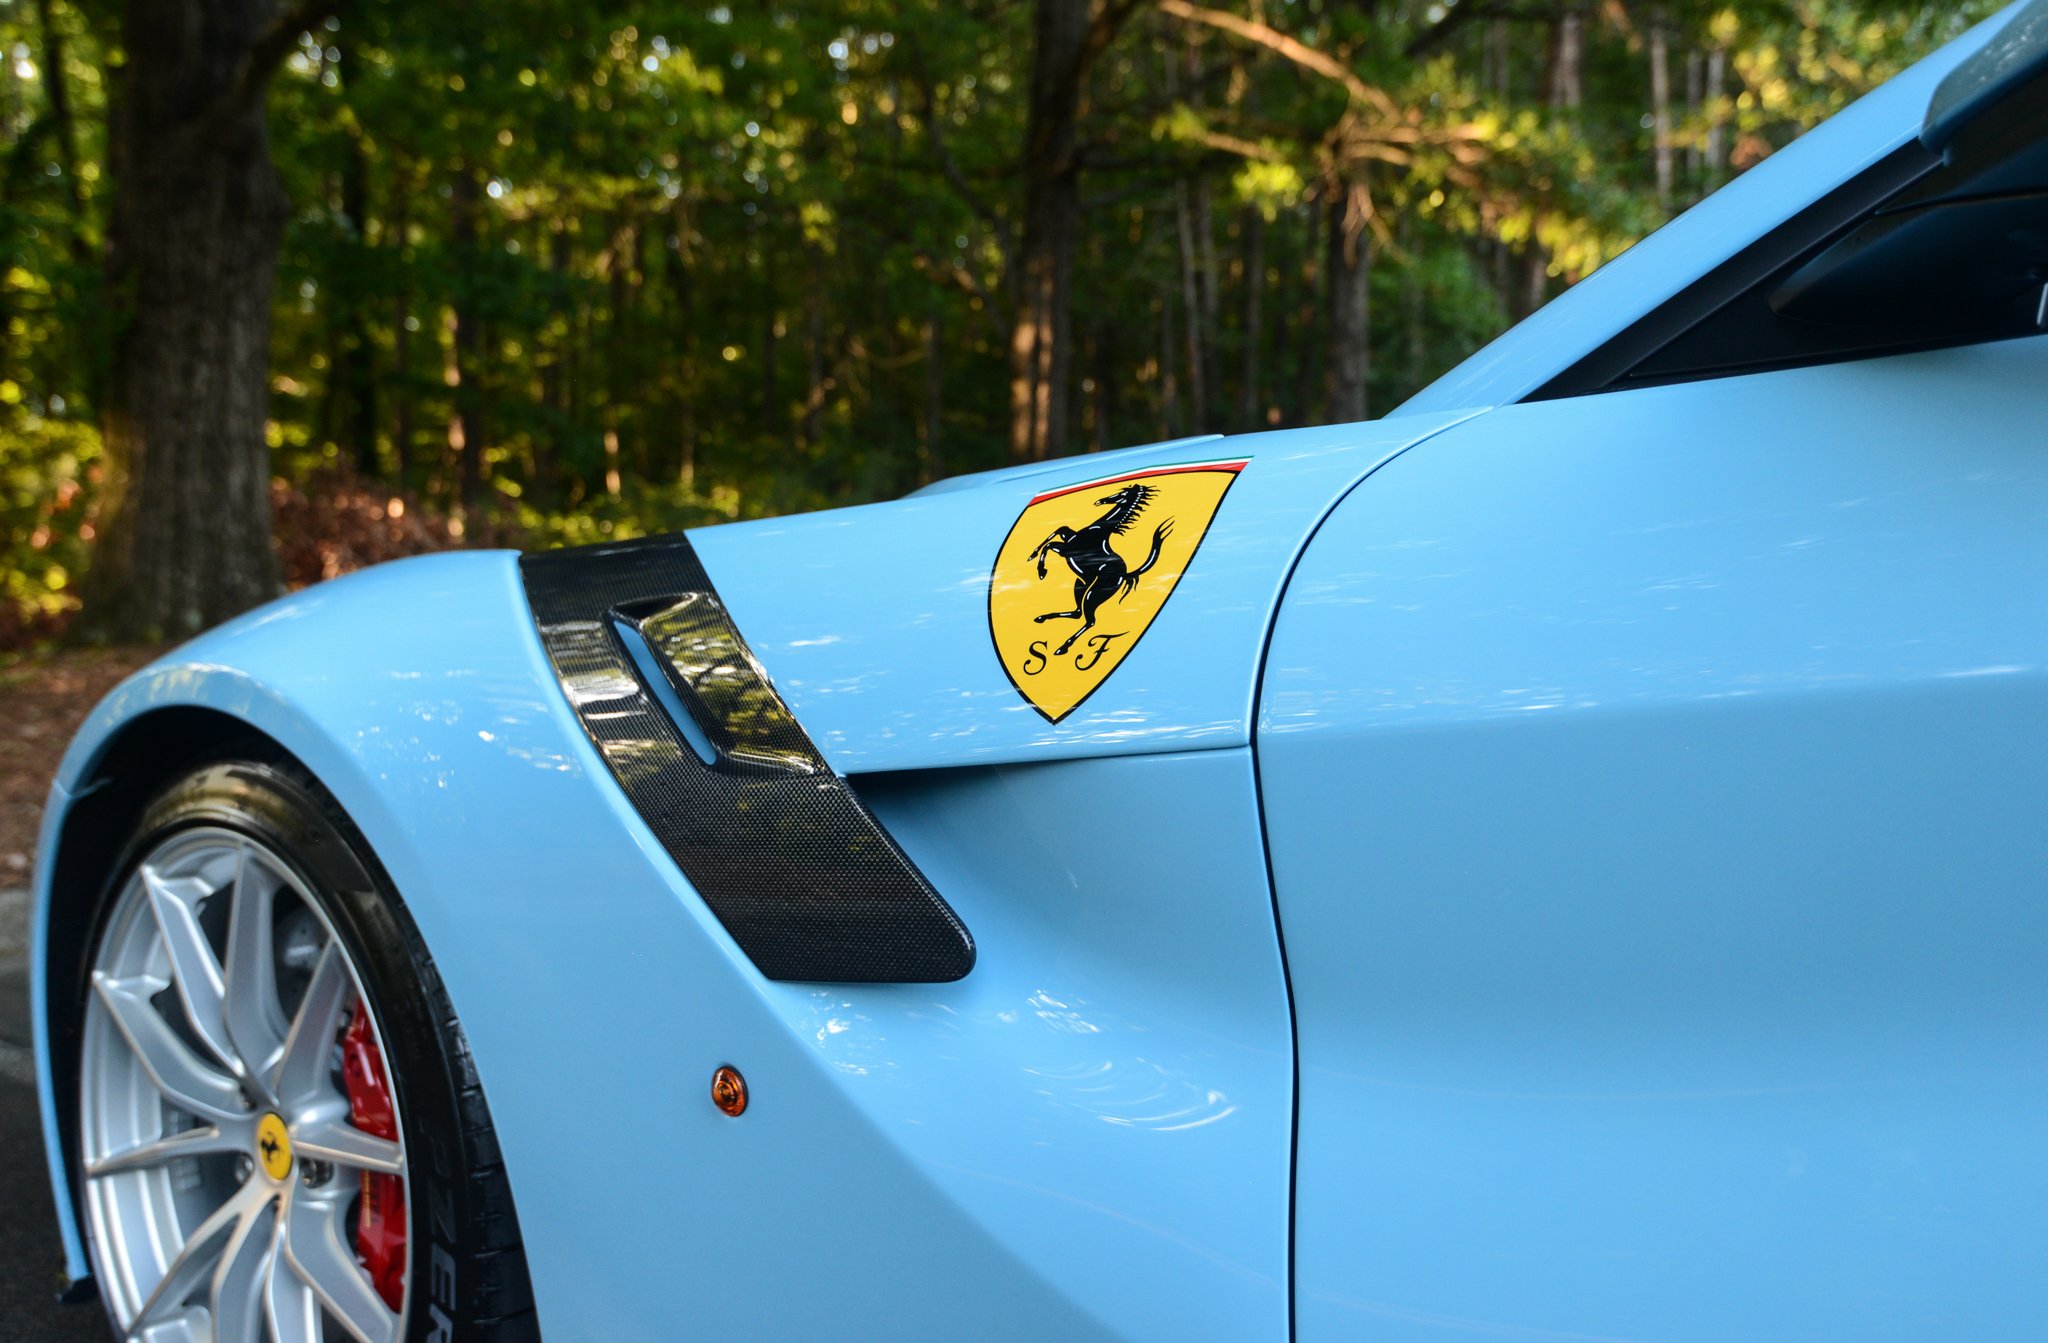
[(729, 1091)]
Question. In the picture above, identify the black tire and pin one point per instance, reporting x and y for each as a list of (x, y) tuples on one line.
[(468, 1276)]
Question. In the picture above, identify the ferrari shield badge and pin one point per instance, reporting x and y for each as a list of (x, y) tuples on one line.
[(1085, 570)]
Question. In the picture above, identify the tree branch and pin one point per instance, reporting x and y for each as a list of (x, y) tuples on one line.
[(961, 278), (1303, 55), (1103, 31), (267, 50)]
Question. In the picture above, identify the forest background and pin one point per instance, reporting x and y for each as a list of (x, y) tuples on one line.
[(289, 288)]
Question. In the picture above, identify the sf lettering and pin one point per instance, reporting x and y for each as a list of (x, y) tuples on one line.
[(1090, 653)]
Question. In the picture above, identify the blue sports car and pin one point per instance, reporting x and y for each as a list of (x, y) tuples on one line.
[(1566, 861)]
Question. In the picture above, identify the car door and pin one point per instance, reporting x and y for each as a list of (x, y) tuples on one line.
[(1655, 787)]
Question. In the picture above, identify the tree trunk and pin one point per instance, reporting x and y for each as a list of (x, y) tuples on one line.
[(1169, 382), (355, 371), (1660, 102), (1206, 308), (1045, 250), (1499, 82), (633, 410), (1695, 86), (1104, 382), (1248, 417), (1415, 319), (397, 228), (57, 86), (818, 383), (686, 361), (624, 290), (1494, 67), (1306, 330), (1563, 91), (930, 435), (1191, 304), (1067, 35), (1563, 84), (466, 429), (1350, 267), (192, 241), (1716, 153), (771, 321), (554, 390)]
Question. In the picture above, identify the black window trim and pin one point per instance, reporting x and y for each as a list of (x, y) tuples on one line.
[(1612, 365)]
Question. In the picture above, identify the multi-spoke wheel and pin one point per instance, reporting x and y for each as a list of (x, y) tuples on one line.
[(243, 1114)]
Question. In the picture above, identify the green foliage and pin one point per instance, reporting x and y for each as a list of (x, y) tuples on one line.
[(656, 265), (46, 467)]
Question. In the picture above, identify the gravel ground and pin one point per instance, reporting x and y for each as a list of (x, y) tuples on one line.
[(42, 701)]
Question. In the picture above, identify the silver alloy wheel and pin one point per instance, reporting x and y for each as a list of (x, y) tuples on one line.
[(221, 1167)]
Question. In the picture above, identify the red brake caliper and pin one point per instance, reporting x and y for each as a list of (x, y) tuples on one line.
[(380, 1215)]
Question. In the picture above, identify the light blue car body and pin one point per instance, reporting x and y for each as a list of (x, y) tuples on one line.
[(1566, 870)]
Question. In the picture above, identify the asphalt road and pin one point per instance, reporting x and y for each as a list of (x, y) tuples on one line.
[(30, 1261)]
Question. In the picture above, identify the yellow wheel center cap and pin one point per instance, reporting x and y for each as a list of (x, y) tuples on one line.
[(273, 1147)]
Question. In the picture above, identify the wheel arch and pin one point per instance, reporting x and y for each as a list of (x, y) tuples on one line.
[(140, 758), (90, 823), (352, 685)]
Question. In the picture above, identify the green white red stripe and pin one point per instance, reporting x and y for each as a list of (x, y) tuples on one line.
[(1232, 466)]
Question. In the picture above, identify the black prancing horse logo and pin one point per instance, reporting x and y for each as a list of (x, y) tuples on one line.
[(1099, 570)]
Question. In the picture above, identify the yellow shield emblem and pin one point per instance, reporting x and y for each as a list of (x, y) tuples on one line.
[(1086, 568)]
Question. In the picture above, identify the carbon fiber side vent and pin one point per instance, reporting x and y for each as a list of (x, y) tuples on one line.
[(798, 871)]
